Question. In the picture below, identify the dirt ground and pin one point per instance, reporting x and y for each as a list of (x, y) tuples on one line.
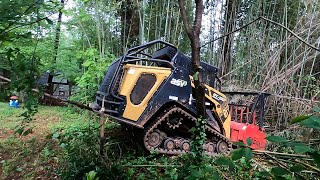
[(31, 156)]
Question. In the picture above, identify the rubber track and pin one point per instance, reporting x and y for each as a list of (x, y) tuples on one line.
[(162, 118)]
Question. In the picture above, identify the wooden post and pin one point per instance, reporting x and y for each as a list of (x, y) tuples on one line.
[(102, 123)]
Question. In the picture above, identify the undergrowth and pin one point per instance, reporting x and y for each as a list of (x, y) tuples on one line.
[(71, 151)]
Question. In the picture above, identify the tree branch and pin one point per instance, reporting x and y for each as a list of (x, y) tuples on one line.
[(268, 20), (8, 30), (290, 31), (12, 23)]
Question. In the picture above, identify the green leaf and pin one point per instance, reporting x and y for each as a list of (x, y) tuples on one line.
[(316, 109), (6, 43), (224, 161), (195, 173), (19, 169), (297, 168), (299, 119), (311, 122), (279, 171), (91, 175), (276, 139), (215, 175), (303, 149), (248, 154), (249, 141), (264, 174), (316, 158), (196, 76), (55, 135), (293, 144), (241, 144), (237, 154), (62, 145), (19, 130), (28, 131)]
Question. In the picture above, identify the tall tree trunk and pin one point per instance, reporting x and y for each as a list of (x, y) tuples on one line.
[(55, 48), (193, 33), (230, 18), (130, 22)]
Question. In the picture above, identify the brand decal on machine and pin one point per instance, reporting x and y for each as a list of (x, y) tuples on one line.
[(179, 82), (218, 97), (173, 98)]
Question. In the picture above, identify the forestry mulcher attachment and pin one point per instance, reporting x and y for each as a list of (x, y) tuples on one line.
[(151, 88)]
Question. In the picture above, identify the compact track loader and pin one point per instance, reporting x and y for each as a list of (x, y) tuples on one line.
[(151, 88)]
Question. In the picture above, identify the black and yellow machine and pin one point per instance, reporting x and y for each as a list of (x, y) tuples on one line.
[(151, 87)]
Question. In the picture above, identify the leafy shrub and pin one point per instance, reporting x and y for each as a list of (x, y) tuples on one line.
[(94, 69)]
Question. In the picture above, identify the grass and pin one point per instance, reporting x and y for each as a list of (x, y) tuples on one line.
[(36, 155), (46, 119), (9, 117)]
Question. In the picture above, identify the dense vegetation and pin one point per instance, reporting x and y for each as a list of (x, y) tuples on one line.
[(78, 39), (65, 144)]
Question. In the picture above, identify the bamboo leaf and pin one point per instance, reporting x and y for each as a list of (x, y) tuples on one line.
[(249, 141), (297, 168), (248, 154), (303, 149), (279, 171), (316, 109), (276, 139), (311, 122), (316, 158), (237, 154), (299, 119)]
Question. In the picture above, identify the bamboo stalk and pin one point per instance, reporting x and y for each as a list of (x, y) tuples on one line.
[(308, 165), (284, 166), (280, 154)]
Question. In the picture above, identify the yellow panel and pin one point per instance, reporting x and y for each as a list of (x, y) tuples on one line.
[(221, 109), (226, 126), (132, 74)]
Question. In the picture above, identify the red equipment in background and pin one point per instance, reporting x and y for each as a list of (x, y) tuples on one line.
[(247, 118)]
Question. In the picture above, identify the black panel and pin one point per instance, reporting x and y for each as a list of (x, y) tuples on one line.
[(109, 75), (166, 53), (161, 97), (142, 87)]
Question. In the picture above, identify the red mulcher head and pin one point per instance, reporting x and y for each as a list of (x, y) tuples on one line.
[(240, 132)]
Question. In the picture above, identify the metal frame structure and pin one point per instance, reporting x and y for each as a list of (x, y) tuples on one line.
[(254, 113)]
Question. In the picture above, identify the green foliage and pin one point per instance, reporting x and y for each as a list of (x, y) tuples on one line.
[(198, 138), (242, 152), (24, 75), (91, 175), (299, 119), (276, 139), (279, 171), (94, 70), (196, 165), (313, 122), (310, 85)]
